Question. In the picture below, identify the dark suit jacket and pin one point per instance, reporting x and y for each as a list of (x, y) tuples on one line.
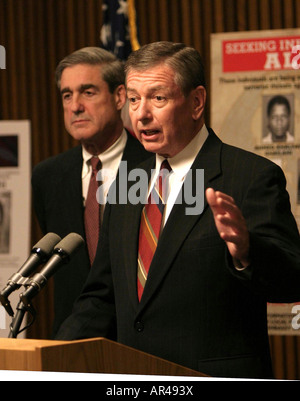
[(57, 196), (197, 309)]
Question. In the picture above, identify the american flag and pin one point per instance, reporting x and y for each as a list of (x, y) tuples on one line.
[(115, 32)]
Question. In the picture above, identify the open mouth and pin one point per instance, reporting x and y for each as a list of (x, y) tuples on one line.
[(149, 133)]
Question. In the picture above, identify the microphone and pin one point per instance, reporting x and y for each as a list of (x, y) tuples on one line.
[(40, 253), (61, 254)]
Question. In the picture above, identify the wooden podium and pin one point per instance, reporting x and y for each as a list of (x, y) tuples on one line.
[(96, 355)]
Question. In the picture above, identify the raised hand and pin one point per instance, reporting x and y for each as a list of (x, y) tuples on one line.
[(231, 225)]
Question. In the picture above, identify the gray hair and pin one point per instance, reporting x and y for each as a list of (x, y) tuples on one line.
[(112, 69), (185, 61)]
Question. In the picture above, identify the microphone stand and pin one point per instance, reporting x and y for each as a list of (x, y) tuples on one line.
[(18, 319), (15, 282), (34, 285)]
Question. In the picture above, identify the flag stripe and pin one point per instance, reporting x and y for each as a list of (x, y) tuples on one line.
[(132, 25)]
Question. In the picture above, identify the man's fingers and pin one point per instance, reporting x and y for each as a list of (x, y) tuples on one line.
[(227, 221), (213, 201), (221, 203), (211, 197), (221, 195), (230, 224)]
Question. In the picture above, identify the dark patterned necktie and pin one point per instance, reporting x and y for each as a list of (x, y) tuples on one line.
[(150, 226), (92, 211)]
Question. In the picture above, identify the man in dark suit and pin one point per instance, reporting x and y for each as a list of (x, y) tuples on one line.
[(91, 81), (202, 303)]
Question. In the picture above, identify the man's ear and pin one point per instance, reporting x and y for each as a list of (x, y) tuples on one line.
[(199, 101), (120, 97)]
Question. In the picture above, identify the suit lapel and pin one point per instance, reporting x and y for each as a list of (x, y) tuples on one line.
[(72, 187), (171, 238)]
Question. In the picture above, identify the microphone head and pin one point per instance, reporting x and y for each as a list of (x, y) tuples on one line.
[(69, 244), (47, 243), (61, 253)]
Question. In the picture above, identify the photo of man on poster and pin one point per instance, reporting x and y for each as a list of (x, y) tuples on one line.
[(279, 117)]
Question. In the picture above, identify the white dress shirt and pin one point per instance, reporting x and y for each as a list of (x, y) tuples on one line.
[(110, 160), (180, 164)]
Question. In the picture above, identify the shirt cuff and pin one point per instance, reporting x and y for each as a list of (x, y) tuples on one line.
[(238, 266)]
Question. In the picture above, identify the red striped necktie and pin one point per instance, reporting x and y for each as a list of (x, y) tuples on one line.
[(92, 211), (150, 226)]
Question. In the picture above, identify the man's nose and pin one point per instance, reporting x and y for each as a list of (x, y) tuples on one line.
[(144, 112), (77, 105)]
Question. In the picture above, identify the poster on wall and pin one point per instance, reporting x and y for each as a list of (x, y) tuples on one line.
[(255, 105), (15, 207)]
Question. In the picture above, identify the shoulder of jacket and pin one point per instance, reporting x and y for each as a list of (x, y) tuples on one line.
[(57, 161)]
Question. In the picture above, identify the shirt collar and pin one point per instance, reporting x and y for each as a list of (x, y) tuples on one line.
[(182, 162), (106, 157)]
